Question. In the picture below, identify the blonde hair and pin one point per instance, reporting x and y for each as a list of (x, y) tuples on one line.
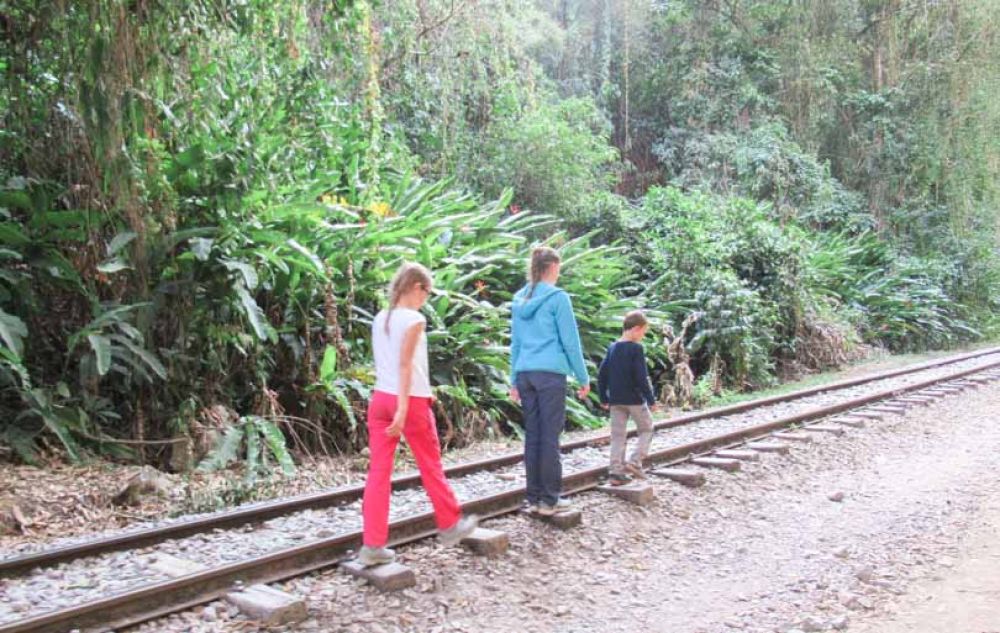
[(408, 275), (542, 258)]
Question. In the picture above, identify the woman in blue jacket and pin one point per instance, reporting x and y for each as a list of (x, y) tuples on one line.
[(545, 349)]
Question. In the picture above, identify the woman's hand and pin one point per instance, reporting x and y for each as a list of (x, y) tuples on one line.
[(515, 395), (398, 421)]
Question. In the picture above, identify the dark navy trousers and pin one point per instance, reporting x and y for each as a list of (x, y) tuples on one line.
[(543, 401)]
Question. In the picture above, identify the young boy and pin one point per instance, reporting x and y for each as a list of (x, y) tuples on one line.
[(623, 385)]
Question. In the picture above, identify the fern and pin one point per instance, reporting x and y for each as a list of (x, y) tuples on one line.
[(276, 443), (226, 452), (263, 440)]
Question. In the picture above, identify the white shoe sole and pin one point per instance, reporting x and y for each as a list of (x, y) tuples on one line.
[(454, 535)]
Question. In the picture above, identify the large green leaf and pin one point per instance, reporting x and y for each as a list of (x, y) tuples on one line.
[(328, 368), (13, 331), (102, 350), (253, 313)]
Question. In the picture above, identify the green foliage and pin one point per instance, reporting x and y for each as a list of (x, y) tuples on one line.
[(203, 206), (259, 441), (899, 302), (555, 156)]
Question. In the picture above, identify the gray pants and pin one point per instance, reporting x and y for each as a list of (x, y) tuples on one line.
[(620, 414)]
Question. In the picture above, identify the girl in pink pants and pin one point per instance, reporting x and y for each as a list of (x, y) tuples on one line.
[(401, 405)]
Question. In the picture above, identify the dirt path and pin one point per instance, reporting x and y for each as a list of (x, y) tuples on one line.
[(963, 597)]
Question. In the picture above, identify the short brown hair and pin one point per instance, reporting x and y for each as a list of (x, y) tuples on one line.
[(635, 318)]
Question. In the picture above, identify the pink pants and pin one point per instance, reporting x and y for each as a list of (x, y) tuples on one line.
[(421, 434)]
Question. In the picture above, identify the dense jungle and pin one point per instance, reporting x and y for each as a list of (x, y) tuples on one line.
[(201, 202)]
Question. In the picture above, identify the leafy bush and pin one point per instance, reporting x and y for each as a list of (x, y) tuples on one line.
[(554, 156)]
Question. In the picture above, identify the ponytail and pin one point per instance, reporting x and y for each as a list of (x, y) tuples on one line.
[(408, 275), (542, 258)]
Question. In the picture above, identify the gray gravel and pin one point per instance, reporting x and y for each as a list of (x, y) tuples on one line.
[(78, 581), (764, 550)]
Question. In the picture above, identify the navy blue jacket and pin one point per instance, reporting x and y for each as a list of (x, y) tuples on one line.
[(623, 378)]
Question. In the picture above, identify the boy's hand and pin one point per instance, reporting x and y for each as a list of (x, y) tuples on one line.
[(583, 392), (656, 408), (606, 407), (515, 395)]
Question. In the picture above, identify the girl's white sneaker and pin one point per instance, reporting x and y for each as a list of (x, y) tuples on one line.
[(370, 556), (459, 531)]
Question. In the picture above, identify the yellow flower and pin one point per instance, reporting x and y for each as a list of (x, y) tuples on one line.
[(381, 209), (331, 200)]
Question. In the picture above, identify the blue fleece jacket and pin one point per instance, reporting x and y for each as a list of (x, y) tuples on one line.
[(544, 336)]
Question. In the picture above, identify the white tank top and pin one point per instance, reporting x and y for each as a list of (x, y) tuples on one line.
[(388, 349)]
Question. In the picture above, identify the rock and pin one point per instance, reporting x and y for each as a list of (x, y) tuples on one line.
[(842, 552), (210, 614), (182, 457), (852, 601), (840, 623), (836, 496), (12, 516), (865, 574), (147, 480), (813, 624)]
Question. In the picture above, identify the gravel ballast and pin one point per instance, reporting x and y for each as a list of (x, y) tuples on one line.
[(826, 538), (649, 551)]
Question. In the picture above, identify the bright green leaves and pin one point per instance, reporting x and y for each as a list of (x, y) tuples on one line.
[(261, 444)]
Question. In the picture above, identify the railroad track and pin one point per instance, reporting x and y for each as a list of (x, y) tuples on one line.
[(114, 584)]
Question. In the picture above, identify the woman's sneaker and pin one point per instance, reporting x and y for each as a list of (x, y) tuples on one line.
[(370, 556), (459, 531), (635, 470), (619, 479)]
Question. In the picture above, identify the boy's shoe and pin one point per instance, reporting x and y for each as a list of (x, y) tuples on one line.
[(547, 510), (635, 470), (459, 531), (619, 479), (530, 508), (370, 556)]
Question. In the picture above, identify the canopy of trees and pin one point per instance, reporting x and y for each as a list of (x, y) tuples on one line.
[(201, 202)]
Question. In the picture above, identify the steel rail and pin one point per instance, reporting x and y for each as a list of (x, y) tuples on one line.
[(256, 513), (156, 600)]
